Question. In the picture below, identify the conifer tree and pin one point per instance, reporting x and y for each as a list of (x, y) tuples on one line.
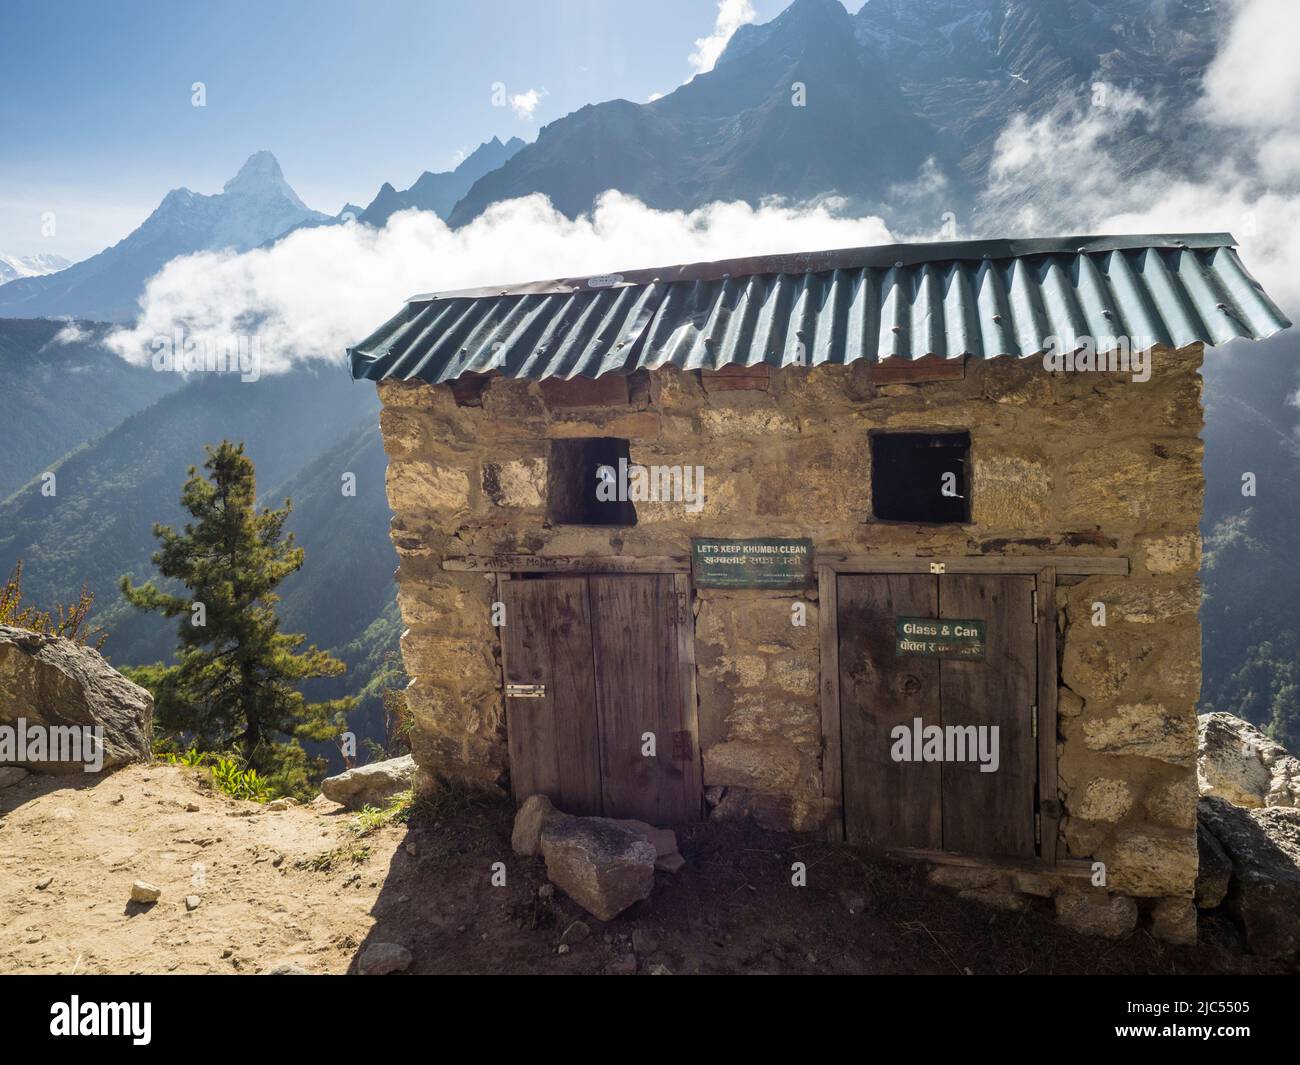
[(234, 684)]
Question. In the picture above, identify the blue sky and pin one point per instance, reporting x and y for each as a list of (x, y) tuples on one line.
[(96, 120)]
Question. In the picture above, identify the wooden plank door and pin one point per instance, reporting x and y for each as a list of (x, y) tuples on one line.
[(554, 740), (636, 631), (992, 814), (886, 803)]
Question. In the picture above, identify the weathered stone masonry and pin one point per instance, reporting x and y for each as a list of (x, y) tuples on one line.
[(1080, 463)]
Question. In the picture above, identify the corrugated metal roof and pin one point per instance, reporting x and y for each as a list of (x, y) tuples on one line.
[(980, 298)]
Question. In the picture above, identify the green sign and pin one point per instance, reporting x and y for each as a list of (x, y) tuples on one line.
[(761, 563), (940, 637)]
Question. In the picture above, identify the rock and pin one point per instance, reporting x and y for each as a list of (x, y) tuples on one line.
[(664, 840), (1213, 871), (644, 941), (602, 866), (576, 933), (660, 969), (670, 863), (47, 681), (11, 775), (624, 965), (535, 812), (191, 807), (286, 968), (1237, 762), (44, 882), (192, 902), (546, 891), (1151, 864), (371, 784), (1174, 921), (145, 892), (563, 948), (380, 959), (284, 803), (1264, 892), (1108, 916)]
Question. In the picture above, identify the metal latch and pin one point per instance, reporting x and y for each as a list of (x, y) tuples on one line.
[(525, 691), (936, 567)]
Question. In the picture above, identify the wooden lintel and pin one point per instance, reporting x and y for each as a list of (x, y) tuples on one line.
[(1072, 868), (896, 371), (735, 378), (1072, 564), (1080, 564), (609, 390), (566, 564)]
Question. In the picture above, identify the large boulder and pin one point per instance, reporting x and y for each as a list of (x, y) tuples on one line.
[(370, 785), (603, 866), (1264, 891), (1213, 871), (49, 687), (1237, 762), (534, 814), (537, 811)]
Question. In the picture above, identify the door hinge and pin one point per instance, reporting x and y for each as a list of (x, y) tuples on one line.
[(936, 567), (525, 691), (1033, 720)]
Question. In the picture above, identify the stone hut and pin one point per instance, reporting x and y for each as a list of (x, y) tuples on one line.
[(894, 544)]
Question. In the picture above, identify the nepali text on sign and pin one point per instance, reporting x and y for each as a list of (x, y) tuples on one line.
[(940, 637), (757, 563)]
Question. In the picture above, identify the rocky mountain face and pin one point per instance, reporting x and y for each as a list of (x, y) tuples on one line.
[(255, 205), (62, 389), (969, 66), (440, 192), (797, 107), (900, 82)]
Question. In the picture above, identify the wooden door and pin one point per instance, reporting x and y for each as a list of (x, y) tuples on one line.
[(554, 739), (639, 692), (945, 804), (992, 813), (886, 803), (613, 654)]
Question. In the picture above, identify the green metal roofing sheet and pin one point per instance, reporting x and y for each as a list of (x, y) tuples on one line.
[(977, 298)]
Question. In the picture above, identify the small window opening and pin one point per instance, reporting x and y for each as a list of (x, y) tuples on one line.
[(585, 480), (921, 477)]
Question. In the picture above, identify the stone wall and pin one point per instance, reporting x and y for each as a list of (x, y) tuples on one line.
[(1083, 463)]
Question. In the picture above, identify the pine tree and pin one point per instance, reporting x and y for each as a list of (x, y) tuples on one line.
[(233, 687)]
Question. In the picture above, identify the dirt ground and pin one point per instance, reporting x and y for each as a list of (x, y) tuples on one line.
[(302, 887)]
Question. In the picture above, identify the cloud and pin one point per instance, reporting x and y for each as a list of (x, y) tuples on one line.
[(1073, 170), (732, 14), (1254, 81), (523, 104), (319, 290)]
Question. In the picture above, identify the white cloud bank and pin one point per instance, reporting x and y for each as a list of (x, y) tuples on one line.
[(1246, 178), (318, 290)]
